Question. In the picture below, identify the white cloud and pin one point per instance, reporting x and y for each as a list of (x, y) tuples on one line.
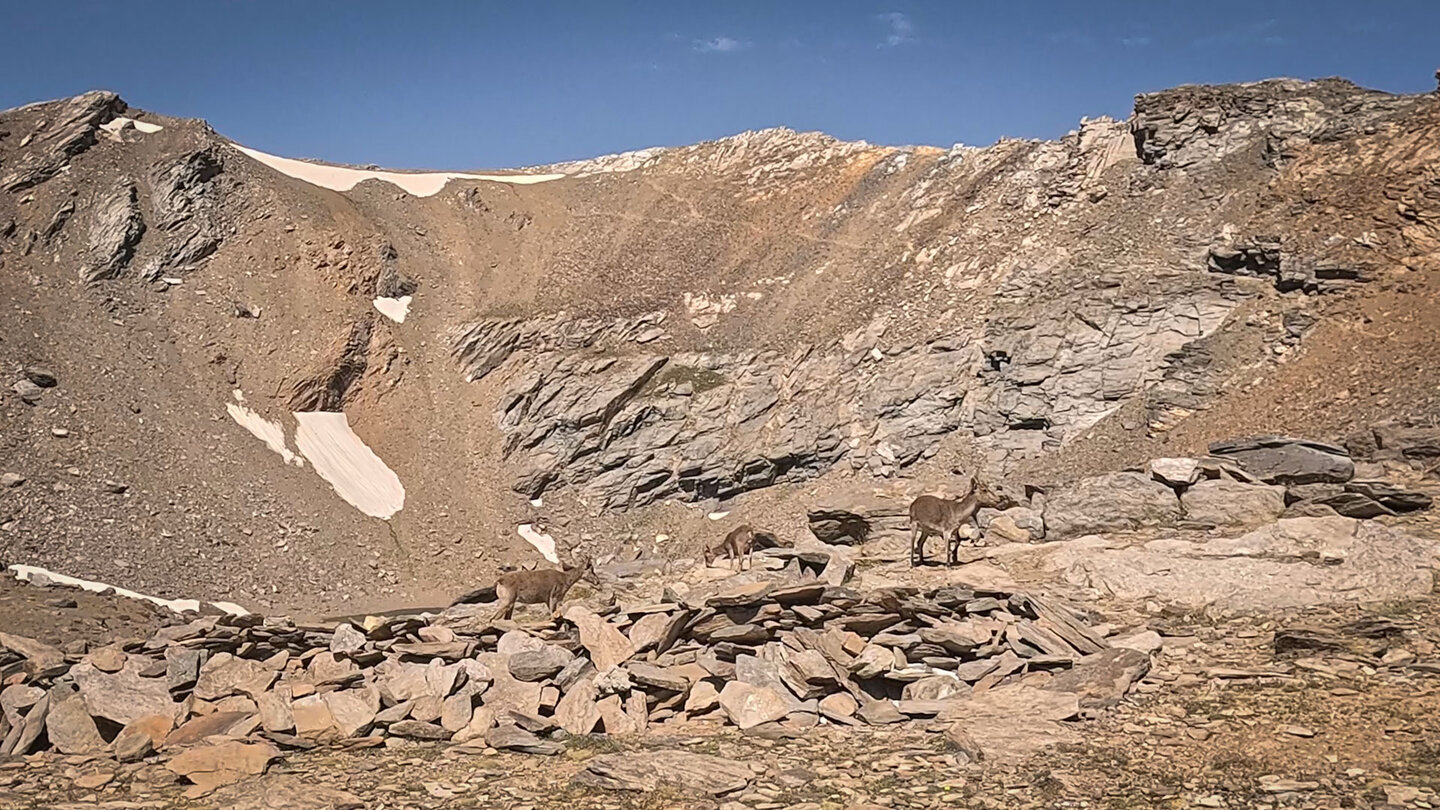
[(720, 45), (902, 30)]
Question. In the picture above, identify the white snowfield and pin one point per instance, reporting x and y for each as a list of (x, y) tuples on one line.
[(27, 573), (343, 178), (394, 308), (348, 464), (543, 543), (261, 428)]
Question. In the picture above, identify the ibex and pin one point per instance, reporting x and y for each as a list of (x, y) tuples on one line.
[(533, 587), (740, 542), (931, 515)]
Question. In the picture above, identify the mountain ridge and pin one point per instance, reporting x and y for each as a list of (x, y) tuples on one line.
[(757, 320)]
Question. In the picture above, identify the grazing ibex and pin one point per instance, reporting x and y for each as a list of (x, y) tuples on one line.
[(533, 587), (931, 515), (738, 543)]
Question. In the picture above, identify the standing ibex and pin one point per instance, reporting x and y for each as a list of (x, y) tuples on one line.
[(533, 587), (931, 515), (740, 542)]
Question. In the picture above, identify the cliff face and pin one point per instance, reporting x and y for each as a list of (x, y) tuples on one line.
[(753, 319)]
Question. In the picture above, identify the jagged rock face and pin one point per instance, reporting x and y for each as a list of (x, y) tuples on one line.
[(114, 233), (1194, 124), (638, 427), (74, 130), (188, 209)]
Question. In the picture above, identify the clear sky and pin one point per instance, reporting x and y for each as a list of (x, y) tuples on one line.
[(489, 84)]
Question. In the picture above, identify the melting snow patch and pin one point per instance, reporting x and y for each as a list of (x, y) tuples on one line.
[(118, 124), (261, 428), (29, 573), (543, 543), (343, 178), (352, 468), (394, 308)]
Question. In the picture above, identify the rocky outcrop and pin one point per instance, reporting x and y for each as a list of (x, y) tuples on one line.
[(1181, 127), (115, 230), (74, 129), (185, 198), (631, 428), (328, 386), (1116, 502), (1222, 502), (1294, 562), (1285, 460)]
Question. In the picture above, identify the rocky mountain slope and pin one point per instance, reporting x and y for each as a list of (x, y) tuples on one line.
[(614, 348)]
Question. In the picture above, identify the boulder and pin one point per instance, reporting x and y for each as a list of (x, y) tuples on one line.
[(1175, 473), (879, 713), (353, 709), (1018, 524), (748, 706), (935, 687), (1103, 678), (69, 725), (274, 709), (212, 766), (872, 662), (347, 639), (608, 647), (1419, 443), (840, 707), (285, 792), (224, 675), (657, 677), (41, 660), (416, 730), (539, 664), (513, 738), (617, 721), (1108, 503), (506, 692), (577, 712), (1221, 502), (1390, 496), (703, 697), (1286, 460), (1353, 505), (142, 736), (859, 519), (123, 696)]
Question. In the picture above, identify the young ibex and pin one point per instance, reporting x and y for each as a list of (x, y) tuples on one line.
[(740, 542), (931, 515), (544, 585)]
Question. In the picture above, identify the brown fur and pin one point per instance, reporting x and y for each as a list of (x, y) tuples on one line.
[(533, 587), (740, 542), (931, 515)]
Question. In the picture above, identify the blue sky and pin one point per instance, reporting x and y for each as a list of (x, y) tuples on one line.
[(489, 84)]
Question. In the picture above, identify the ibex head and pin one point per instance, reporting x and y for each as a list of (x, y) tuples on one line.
[(585, 566)]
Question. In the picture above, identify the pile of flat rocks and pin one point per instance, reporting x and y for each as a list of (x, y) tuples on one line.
[(775, 658)]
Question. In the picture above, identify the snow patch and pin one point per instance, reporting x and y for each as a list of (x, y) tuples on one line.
[(28, 573), (118, 124), (261, 428), (543, 543), (343, 178), (348, 464), (394, 308)]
